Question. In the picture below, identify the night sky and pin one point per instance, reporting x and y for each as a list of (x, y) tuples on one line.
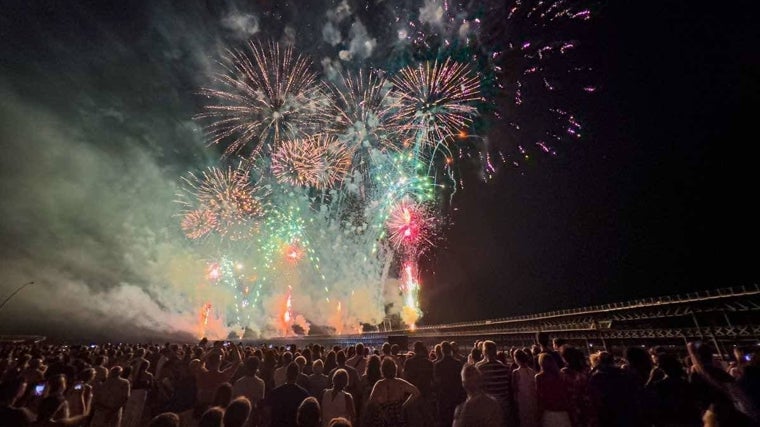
[(657, 197)]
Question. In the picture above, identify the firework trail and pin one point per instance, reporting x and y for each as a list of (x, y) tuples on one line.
[(410, 288), (227, 195), (437, 100), (203, 321), (265, 96)]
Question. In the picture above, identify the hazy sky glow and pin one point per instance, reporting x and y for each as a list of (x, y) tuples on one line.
[(96, 126)]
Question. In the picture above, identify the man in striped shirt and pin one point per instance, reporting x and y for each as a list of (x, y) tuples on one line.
[(496, 378)]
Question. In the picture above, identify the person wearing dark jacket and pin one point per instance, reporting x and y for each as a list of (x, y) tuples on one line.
[(446, 377), (614, 394)]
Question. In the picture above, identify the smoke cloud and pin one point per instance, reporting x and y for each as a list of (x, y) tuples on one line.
[(92, 160)]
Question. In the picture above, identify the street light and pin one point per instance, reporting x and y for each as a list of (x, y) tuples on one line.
[(14, 293)]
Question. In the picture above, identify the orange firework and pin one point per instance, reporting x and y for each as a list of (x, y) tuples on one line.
[(226, 198), (199, 223), (319, 161), (205, 310)]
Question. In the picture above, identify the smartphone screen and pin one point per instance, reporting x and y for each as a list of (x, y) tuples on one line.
[(77, 386), (39, 389)]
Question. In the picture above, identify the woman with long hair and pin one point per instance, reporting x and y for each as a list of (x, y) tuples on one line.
[(371, 375), (331, 361), (390, 397), (575, 374), (336, 402), (551, 393), (524, 390)]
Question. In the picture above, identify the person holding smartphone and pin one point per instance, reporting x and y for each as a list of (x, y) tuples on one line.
[(716, 390), (79, 392)]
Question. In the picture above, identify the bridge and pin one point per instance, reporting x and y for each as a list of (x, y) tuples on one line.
[(723, 317)]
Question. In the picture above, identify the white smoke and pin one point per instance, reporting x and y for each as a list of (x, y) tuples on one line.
[(339, 13), (360, 45), (243, 25), (332, 69), (432, 13), (93, 230), (331, 34), (89, 189)]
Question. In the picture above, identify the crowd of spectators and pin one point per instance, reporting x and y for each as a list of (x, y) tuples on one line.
[(236, 385)]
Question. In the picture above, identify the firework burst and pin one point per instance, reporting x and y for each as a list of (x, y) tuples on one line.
[(533, 45), (199, 223), (265, 96), (294, 163), (436, 99), (333, 162), (318, 161), (409, 224), (363, 112), (229, 196)]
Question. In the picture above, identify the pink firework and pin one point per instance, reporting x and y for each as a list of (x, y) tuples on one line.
[(437, 99), (408, 224), (199, 223)]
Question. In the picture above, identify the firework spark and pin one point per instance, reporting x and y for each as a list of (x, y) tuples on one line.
[(199, 223), (533, 46), (288, 316), (294, 163), (204, 313), (229, 196), (293, 251), (436, 99), (408, 224), (266, 96), (319, 161), (410, 288), (333, 162)]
